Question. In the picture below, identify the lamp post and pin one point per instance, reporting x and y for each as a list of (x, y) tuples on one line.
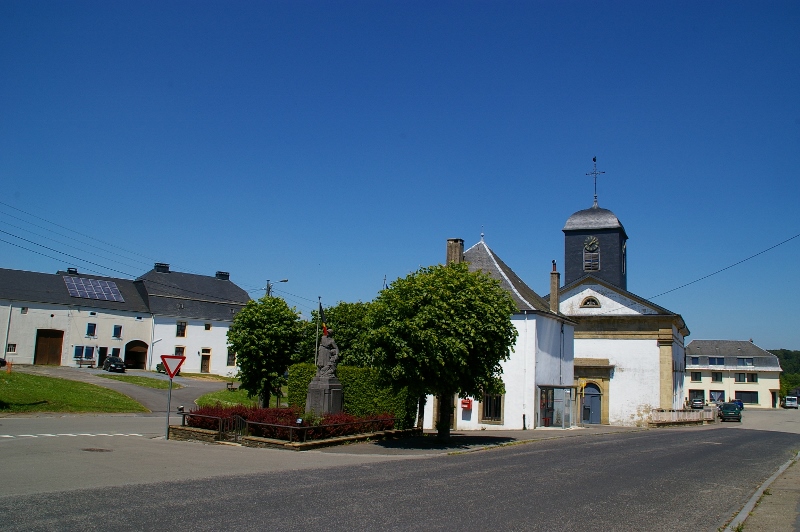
[(270, 285)]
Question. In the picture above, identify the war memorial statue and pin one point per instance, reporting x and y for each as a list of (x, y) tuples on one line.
[(325, 390)]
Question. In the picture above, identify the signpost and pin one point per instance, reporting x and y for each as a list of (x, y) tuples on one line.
[(172, 363)]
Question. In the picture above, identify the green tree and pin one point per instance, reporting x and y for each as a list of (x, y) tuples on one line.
[(264, 335), (442, 330)]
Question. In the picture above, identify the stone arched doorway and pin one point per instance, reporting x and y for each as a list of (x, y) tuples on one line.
[(592, 401), (135, 354)]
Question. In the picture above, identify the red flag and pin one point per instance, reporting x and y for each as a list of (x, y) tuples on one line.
[(322, 319)]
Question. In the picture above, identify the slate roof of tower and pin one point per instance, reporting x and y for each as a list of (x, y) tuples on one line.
[(35, 287), (731, 350), (481, 257), (593, 218), (192, 296)]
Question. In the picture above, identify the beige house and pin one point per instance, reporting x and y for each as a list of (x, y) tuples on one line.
[(722, 370)]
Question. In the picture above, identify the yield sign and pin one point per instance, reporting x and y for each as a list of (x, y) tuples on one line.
[(172, 363)]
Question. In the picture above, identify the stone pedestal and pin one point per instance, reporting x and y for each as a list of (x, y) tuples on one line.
[(324, 396)]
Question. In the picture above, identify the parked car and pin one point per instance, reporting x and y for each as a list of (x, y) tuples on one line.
[(161, 369), (790, 401), (738, 403), (730, 411), (114, 364), (698, 403)]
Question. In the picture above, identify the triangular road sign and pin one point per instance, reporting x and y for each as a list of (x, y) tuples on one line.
[(172, 363)]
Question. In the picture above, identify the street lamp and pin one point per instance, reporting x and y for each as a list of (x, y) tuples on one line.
[(270, 285)]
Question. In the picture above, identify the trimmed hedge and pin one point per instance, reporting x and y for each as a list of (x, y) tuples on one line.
[(363, 394)]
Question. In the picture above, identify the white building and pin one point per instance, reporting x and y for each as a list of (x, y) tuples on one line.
[(191, 317), (629, 352), (71, 319), (538, 376), (722, 370), (74, 319)]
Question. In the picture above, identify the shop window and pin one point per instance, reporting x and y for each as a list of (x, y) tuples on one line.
[(748, 397), (696, 394), (716, 396), (180, 329)]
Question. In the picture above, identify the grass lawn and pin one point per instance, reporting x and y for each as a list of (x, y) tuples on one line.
[(147, 382), (229, 398), (20, 392)]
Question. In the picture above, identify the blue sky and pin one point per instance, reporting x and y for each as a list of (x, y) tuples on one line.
[(335, 143)]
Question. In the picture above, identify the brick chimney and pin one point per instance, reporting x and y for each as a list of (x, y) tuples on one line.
[(555, 281), (223, 276), (455, 250)]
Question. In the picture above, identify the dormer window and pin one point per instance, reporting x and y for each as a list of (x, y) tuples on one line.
[(590, 302)]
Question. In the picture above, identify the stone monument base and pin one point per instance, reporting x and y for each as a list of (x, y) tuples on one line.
[(324, 396)]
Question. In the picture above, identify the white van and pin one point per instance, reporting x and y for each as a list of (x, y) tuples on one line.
[(790, 401)]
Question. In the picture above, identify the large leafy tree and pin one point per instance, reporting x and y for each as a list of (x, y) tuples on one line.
[(442, 330), (264, 335)]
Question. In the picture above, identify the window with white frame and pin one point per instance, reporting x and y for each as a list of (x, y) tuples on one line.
[(11, 348), (91, 329), (117, 331)]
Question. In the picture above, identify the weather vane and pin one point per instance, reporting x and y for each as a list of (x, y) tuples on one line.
[(595, 173)]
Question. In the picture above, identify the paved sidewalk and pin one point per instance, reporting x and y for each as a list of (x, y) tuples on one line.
[(153, 399), (779, 507)]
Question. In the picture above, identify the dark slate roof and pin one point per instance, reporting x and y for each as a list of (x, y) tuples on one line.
[(593, 218), (731, 350), (35, 287), (480, 257), (192, 296), (589, 279)]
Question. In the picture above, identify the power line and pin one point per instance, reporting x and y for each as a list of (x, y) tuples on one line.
[(727, 267)]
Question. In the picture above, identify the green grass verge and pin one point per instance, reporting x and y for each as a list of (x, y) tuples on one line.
[(208, 376), (229, 398), (147, 382), (20, 392)]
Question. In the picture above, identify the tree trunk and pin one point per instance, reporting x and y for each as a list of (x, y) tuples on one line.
[(421, 412), (263, 398), (445, 412)]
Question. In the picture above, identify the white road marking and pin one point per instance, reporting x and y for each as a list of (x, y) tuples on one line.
[(12, 436)]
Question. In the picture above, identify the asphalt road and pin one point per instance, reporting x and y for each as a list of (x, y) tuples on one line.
[(665, 479)]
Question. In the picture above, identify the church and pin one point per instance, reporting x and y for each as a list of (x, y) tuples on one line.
[(629, 352)]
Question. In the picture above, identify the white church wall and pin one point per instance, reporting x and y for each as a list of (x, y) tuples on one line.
[(634, 385)]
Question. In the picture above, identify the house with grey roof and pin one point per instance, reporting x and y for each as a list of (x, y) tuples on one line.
[(191, 316), (722, 370), (72, 319), (538, 380), (76, 319)]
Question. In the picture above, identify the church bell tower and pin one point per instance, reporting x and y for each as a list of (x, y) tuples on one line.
[(595, 244)]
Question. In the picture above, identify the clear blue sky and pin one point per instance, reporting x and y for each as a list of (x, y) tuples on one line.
[(335, 143)]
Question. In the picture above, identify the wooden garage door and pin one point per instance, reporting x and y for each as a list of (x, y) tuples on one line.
[(48, 347)]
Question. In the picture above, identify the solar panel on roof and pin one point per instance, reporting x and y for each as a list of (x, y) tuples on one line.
[(93, 289)]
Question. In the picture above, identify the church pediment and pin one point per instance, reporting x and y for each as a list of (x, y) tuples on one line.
[(592, 297)]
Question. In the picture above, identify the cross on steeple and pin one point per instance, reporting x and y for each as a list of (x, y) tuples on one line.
[(595, 173)]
